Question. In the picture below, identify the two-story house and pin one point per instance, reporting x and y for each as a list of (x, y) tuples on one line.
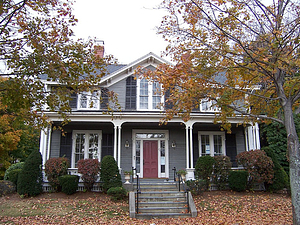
[(133, 135)]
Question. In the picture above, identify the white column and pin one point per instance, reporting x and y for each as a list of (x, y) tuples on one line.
[(115, 142), (187, 145), (119, 147), (43, 145), (257, 136), (191, 147), (49, 131)]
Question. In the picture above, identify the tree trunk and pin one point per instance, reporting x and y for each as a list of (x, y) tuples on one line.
[(294, 160)]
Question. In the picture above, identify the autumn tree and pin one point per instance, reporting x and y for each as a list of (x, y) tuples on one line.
[(243, 56), (37, 42)]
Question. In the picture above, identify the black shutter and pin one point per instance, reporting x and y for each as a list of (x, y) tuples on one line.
[(107, 145), (231, 151), (104, 98), (130, 93), (66, 146)]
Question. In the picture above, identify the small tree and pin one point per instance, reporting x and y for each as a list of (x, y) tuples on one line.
[(54, 168), (110, 175), (258, 165), (89, 168), (221, 171), (30, 178), (204, 169)]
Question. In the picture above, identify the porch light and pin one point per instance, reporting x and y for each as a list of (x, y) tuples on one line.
[(126, 144), (173, 144)]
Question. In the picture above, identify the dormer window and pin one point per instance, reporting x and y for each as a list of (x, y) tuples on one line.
[(89, 100), (149, 95), (209, 106)]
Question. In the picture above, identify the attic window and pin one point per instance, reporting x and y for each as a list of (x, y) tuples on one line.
[(89, 100), (149, 95)]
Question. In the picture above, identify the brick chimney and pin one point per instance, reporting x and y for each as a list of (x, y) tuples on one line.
[(99, 49)]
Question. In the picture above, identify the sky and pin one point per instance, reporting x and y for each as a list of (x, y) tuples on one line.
[(127, 27)]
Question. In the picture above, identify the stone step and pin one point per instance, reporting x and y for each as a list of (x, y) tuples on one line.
[(162, 194), (162, 204), (170, 209), (162, 215)]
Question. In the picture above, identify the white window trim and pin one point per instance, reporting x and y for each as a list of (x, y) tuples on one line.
[(89, 95), (150, 97), (166, 139), (211, 141), (86, 153), (210, 108)]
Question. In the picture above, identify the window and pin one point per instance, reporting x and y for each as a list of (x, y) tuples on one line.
[(149, 95), (208, 106), (211, 143), (86, 144), (89, 100)]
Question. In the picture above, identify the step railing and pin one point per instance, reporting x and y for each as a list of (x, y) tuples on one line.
[(138, 191), (185, 189)]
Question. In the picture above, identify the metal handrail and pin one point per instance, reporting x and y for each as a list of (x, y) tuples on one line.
[(138, 191), (185, 189), (174, 169)]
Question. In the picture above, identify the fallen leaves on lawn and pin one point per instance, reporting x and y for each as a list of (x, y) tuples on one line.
[(217, 207)]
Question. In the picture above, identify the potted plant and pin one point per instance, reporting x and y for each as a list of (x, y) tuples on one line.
[(182, 173), (127, 176)]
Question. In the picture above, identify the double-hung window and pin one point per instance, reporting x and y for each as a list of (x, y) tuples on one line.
[(149, 95), (86, 145), (211, 143), (208, 106), (89, 100)]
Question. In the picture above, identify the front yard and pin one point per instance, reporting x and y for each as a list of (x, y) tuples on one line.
[(216, 207)]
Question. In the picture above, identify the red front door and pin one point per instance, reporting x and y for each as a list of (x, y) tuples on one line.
[(150, 159)]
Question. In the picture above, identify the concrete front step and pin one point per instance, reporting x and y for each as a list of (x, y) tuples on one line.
[(162, 215), (163, 209), (162, 204), (160, 199)]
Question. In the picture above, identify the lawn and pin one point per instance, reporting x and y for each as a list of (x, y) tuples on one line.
[(216, 207)]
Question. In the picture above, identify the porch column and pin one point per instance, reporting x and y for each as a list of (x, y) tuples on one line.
[(119, 147), (49, 131), (187, 145), (115, 141), (257, 136), (43, 144), (191, 147)]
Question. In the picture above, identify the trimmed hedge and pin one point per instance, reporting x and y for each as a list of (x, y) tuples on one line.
[(30, 178), (13, 176), (204, 169), (238, 180), (117, 193), (69, 183), (110, 175), (222, 167), (89, 169), (18, 165), (54, 168)]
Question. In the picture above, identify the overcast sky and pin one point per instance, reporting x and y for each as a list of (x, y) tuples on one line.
[(126, 27)]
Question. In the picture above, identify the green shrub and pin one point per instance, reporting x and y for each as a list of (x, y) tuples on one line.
[(204, 169), (110, 175), (6, 187), (13, 175), (258, 165), (54, 168), (196, 187), (221, 169), (30, 178), (69, 183), (89, 169), (280, 179), (237, 180), (18, 165), (117, 193)]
